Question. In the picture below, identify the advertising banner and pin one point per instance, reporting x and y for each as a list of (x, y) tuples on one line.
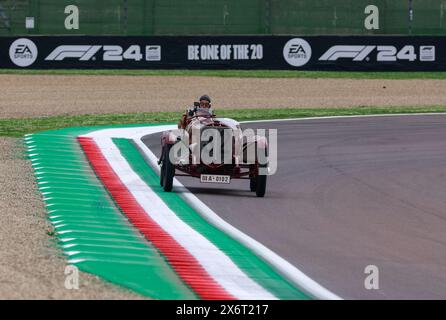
[(350, 53)]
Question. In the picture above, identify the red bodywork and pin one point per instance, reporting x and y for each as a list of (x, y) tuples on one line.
[(237, 169)]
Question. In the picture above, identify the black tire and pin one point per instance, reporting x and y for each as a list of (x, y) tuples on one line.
[(168, 170), (252, 184), (261, 186), (252, 179), (162, 171)]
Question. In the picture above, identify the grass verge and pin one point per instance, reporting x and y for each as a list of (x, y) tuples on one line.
[(17, 127), (237, 73)]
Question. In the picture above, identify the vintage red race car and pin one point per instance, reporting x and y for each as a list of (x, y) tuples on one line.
[(182, 153)]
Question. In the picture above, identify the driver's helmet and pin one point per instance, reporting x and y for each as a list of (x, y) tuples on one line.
[(205, 108)]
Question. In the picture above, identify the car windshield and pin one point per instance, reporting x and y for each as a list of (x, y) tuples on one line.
[(204, 112)]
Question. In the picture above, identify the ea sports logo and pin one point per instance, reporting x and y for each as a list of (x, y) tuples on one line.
[(297, 52), (23, 52)]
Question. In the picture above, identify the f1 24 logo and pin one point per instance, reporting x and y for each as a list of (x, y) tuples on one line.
[(110, 53), (384, 53)]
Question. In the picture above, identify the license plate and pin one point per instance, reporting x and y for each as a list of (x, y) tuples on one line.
[(214, 178)]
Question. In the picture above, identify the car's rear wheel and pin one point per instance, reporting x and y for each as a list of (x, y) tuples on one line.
[(167, 170), (252, 184), (252, 179)]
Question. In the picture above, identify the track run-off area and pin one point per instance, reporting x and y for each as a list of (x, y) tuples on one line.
[(349, 192)]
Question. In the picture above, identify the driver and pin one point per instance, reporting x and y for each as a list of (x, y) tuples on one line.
[(205, 103)]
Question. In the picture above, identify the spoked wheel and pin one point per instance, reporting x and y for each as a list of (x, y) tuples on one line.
[(167, 170)]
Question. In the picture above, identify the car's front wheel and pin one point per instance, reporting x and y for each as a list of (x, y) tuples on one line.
[(167, 170), (162, 171), (257, 183), (260, 185)]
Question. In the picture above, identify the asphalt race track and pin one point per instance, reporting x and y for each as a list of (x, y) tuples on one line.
[(348, 193)]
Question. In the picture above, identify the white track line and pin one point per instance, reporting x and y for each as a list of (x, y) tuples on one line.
[(348, 117)]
